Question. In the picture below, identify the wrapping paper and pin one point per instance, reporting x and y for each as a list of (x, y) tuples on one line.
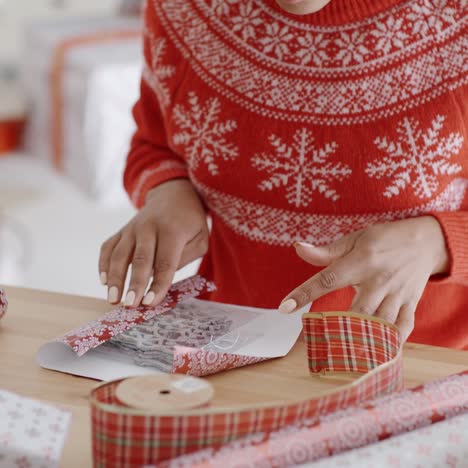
[(3, 303), (197, 338), (198, 362), (342, 430), (95, 333), (202, 337), (32, 434), (444, 444), (81, 79), (336, 342)]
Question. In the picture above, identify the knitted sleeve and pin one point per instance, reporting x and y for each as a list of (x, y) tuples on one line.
[(455, 227), (150, 161)]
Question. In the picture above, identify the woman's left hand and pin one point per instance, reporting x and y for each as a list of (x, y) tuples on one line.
[(388, 265)]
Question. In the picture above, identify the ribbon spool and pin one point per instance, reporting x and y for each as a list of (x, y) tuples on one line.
[(164, 393), (134, 424)]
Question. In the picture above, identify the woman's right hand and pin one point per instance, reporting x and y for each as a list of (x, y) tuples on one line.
[(169, 232)]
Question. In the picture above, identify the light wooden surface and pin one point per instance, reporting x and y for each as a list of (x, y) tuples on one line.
[(36, 317)]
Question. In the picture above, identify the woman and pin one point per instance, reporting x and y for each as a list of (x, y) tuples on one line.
[(327, 140)]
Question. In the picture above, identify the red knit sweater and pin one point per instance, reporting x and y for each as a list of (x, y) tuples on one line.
[(307, 128)]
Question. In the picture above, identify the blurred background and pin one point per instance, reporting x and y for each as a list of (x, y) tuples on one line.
[(69, 75)]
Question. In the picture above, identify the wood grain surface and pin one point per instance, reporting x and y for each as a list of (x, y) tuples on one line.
[(35, 317)]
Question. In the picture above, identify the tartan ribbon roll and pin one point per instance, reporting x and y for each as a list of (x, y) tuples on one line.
[(3, 303), (335, 342)]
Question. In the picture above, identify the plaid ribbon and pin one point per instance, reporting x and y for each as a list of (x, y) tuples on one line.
[(336, 342)]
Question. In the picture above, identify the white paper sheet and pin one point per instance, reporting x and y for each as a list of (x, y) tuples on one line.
[(262, 333)]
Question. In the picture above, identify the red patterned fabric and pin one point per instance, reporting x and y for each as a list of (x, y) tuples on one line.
[(3, 303), (305, 128), (123, 437)]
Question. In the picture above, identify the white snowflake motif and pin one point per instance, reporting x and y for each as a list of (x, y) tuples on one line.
[(351, 47), (301, 168), (432, 14), (389, 35), (276, 40), (419, 16), (82, 346), (440, 14), (222, 7), (202, 134), (416, 158), (247, 20), (159, 73), (312, 49)]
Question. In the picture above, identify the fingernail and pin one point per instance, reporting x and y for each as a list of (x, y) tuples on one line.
[(288, 306), (103, 277), (303, 244), (130, 298), (113, 295), (149, 298)]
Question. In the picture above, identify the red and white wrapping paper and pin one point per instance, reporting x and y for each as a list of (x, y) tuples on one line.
[(199, 363), (93, 334), (444, 444), (253, 335), (32, 434), (342, 430), (3, 303)]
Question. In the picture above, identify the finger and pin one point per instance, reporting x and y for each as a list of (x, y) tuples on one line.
[(342, 273), (389, 309), (118, 267), (168, 255), (405, 320), (195, 249), (367, 300), (105, 255), (325, 255), (142, 266)]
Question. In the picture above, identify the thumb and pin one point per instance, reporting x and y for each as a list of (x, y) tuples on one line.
[(327, 254)]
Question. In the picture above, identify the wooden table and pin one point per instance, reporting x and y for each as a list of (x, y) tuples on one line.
[(36, 317)]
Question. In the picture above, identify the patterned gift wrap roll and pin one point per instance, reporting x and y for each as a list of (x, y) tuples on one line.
[(336, 342), (342, 430), (3, 303)]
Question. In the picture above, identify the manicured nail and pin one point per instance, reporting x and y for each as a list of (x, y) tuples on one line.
[(149, 298), (103, 277), (113, 295), (303, 244), (288, 306), (130, 298)]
